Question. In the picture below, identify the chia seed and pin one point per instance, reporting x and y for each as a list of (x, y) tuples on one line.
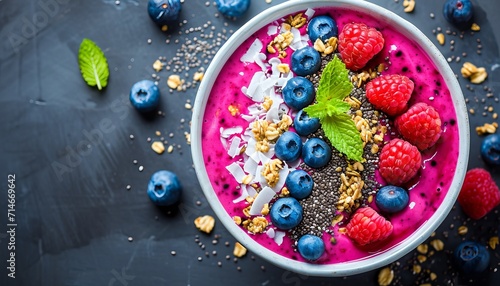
[(319, 208)]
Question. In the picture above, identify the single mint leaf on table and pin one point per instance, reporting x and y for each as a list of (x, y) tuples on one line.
[(331, 109), (93, 64)]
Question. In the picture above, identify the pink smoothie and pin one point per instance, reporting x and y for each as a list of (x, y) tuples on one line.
[(426, 193)]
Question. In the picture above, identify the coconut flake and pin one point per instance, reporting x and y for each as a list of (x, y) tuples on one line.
[(252, 192), (278, 237), (237, 172), (260, 59), (272, 114), (254, 91), (234, 148), (270, 232), (243, 195), (226, 133), (250, 166), (272, 30), (264, 197), (309, 13), (283, 173), (252, 52)]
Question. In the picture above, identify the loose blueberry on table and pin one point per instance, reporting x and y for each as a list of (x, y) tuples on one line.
[(164, 188), (490, 149), (471, 257), (164, 12), (232, 8), (145, 96), (458, 12)]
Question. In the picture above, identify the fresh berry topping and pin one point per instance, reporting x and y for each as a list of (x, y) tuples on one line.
[(305, 61), (322, 27), (479, 193), (145, 96), (391, 199), (286, 213), (299, 184), (367, 226), (298, 92), (390, 93), (471, 257), (316, 153), (458, 12), (164, 188), (288, 146), (420, 125), (305, 125), (399, 162), (490, 149), (311, 247), (358, 44), (232, 8), (164, 12)]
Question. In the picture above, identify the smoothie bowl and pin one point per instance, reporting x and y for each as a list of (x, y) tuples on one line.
[(330, 137)]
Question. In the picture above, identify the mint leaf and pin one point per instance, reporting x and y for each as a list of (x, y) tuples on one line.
[(327, 108), (343, 135), (93, 64), (334, 82), (331, 109)]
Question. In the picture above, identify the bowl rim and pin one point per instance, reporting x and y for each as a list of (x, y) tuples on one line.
[(368, 263)]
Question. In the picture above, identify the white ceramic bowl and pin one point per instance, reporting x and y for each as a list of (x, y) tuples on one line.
[(373, 261)]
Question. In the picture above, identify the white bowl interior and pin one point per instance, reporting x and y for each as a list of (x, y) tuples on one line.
[(380, 259)]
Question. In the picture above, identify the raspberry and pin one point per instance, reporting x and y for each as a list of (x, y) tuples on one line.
[(420, 125), (358, 44), (390, 93), (479, 193), (367, 226), (399, 162)]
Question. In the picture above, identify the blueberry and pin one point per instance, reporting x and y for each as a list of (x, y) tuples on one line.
[(305, 125), (311, 247), (164, 188), (472, 257), (458, 12), (164, 12), (316, 153), (145, 96), (305, 61), (232, 8), (323, 27), (288, 146), (490, 149), (298, 92), (299, 183), (391, 199), (286, 213)]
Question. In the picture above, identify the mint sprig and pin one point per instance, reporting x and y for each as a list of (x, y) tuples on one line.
[(93, 64), (331, 109)]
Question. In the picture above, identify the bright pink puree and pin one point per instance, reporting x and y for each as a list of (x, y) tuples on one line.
[(439, 163)]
